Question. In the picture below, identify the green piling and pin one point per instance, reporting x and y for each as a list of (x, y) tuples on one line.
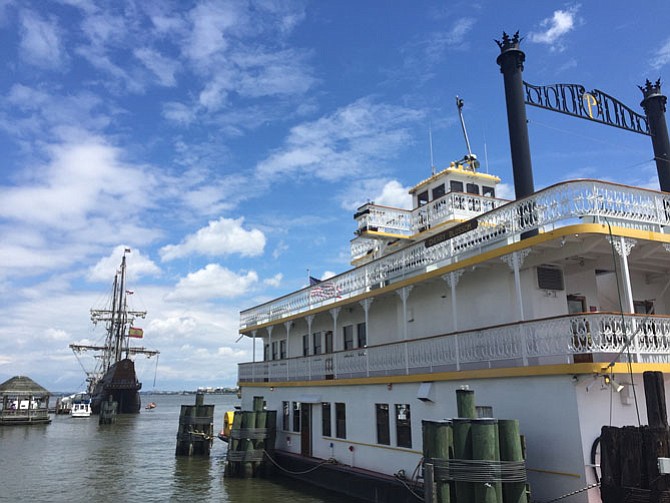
[(438, 444), (511, 450), (246, 444), (465, 401), (462, 428), (485, 448)]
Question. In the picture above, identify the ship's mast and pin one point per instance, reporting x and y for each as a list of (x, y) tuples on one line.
[(117, 320)]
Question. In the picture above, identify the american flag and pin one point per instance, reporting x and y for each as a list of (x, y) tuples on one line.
[(323, 289)]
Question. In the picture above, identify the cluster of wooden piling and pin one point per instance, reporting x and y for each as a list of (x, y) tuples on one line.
[(252, 435), (469, 459), (629, 455), (108, 411), (196, 428)]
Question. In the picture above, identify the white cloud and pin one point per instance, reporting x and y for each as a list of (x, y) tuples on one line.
[(164, 68), (274, 281), (138, 265), (556, 27), (221, 237), (342, 144), (212, 282), (179, 113), (40, 42), (662, 56), (380, 191)]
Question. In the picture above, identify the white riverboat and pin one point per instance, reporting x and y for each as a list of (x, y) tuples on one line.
[(549, 307)]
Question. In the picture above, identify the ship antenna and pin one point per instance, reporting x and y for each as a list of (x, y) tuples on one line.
[(430, 141), (459, 104)]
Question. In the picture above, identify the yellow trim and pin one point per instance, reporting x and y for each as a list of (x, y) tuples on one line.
[(377, 234), (541, 238), (455, 169), (537, 370)]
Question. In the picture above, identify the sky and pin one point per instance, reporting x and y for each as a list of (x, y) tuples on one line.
[(228, 143)]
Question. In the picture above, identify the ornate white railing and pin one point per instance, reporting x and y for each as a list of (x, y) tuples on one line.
[(598, 337), (452, 206), (556, 206)]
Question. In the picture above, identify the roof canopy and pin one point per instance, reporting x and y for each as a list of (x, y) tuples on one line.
[(22, 385)]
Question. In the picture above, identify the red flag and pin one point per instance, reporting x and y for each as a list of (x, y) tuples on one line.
[(138, 333)]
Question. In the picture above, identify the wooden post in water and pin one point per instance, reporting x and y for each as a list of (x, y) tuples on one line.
[(654, 394), (511, 450), (485, 448), (465, 402), (196, 428), (108, 411), (246, 444), (464, 491), (438, 447), (233, 467)]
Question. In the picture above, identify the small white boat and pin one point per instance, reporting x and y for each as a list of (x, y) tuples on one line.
[(80, 405)]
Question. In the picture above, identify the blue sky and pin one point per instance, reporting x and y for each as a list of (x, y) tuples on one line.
[(227, 144)]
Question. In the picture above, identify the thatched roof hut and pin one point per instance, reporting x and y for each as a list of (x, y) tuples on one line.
[(23, 402)]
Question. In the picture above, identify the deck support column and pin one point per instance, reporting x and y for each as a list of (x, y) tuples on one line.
[(253, 356), (270, 355), (623, 247), (287, 325), (403, 293), (452, 280), (515, 261), (310, 320), (365, 304), (335, 312)]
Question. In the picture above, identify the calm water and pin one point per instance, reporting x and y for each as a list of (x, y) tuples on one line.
[(132, 460)]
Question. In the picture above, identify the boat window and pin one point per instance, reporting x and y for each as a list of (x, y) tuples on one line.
[(438, 191), (296, 416), (455, 186), (383, 426), (422, 198), (274, 350), (282, 349), (362, 335), (348, 337), (329, 341), (643, 306), (316, 339), (305, 345), (340, 420), (286, 411), (325, 419), (488, 191), (472, 188), (266, 352), (403, 425)]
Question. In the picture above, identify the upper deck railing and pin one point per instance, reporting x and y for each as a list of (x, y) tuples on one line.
[(451, 206), (548, 209), (579, 338)]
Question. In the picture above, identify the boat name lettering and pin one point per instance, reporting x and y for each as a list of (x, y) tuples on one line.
[(451, 233), (595, 105)]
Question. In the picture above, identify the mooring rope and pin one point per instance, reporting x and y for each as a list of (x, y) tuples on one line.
[(402, 481), (583, 489), (331, 461)]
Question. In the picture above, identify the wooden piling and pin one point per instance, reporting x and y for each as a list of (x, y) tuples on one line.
[(511, 450), (654, 393), (108, 411), (465, 402), (462, 428), (485, 448), (196, 428), (438, 445)]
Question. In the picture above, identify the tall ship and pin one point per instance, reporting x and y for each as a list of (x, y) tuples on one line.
[(113, 377), (550, 307)]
